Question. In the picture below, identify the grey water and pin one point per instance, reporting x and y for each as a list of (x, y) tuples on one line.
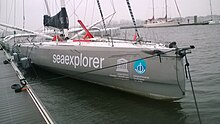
[(73, 101)]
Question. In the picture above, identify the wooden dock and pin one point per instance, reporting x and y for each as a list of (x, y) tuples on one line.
[(16, 108)]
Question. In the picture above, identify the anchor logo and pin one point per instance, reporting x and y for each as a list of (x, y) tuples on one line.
[(140, 66)]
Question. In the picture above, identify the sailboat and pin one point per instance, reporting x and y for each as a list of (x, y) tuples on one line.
[(211, 21), (140, 67), (160, 22)]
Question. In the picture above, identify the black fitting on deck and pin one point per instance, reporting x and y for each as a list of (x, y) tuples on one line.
[(23, 82), (7, 61), (183, 51), (18, 88), (173, 45), (158, 52)]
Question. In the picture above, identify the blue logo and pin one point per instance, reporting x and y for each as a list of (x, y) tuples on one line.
[(140, 66)]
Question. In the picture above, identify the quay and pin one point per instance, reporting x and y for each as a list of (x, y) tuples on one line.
[(22, 107)]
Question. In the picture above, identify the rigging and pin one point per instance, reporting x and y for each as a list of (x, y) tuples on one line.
[(132, 17)]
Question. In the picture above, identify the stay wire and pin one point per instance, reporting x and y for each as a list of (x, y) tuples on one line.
[(10, 12), (85, 10), (75, 9), (177, 7), (113, 5), (194, 96), (93, 10), (113, 14)]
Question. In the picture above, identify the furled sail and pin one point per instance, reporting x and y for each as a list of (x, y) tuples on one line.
[(60, 20)]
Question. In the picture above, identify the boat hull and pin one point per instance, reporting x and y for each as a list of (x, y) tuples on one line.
[(159, 25), (121, 68)]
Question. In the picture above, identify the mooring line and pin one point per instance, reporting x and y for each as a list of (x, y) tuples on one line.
[(194, 95), (143, 58)]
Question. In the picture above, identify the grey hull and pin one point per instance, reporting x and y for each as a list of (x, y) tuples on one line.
[(159, 78)]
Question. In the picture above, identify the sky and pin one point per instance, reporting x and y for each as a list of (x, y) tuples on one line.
[(88, 12)]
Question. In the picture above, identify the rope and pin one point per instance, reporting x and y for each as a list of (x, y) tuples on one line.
[(46, 80), (177, 77), (194, 96), (132, 17), (156, 53)]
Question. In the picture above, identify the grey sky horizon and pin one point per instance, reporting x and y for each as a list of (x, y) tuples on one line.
[(87, 10)]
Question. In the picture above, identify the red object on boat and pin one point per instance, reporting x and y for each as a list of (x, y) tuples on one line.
[(88, 34), (57, 38), (135, 37)]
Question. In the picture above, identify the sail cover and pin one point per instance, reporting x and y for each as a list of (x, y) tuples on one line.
[(60, 20)]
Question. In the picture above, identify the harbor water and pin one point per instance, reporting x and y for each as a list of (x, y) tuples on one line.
[(73, 101)]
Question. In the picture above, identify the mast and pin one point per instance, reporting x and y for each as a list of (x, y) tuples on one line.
[(6, 13), (64, 13), (211, 8), (62, 3), (153, 9), (23, 15), (166, 10), (47, 7), (0, 10), (14, 12)]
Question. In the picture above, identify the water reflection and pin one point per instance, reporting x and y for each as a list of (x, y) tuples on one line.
[(73, 101)]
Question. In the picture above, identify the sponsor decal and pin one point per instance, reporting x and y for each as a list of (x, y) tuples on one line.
[(122, 67), (140, 78), (140, 66), (121, 70), (78, 61)]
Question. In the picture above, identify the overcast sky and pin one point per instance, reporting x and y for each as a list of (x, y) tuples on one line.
[(87, 10)]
